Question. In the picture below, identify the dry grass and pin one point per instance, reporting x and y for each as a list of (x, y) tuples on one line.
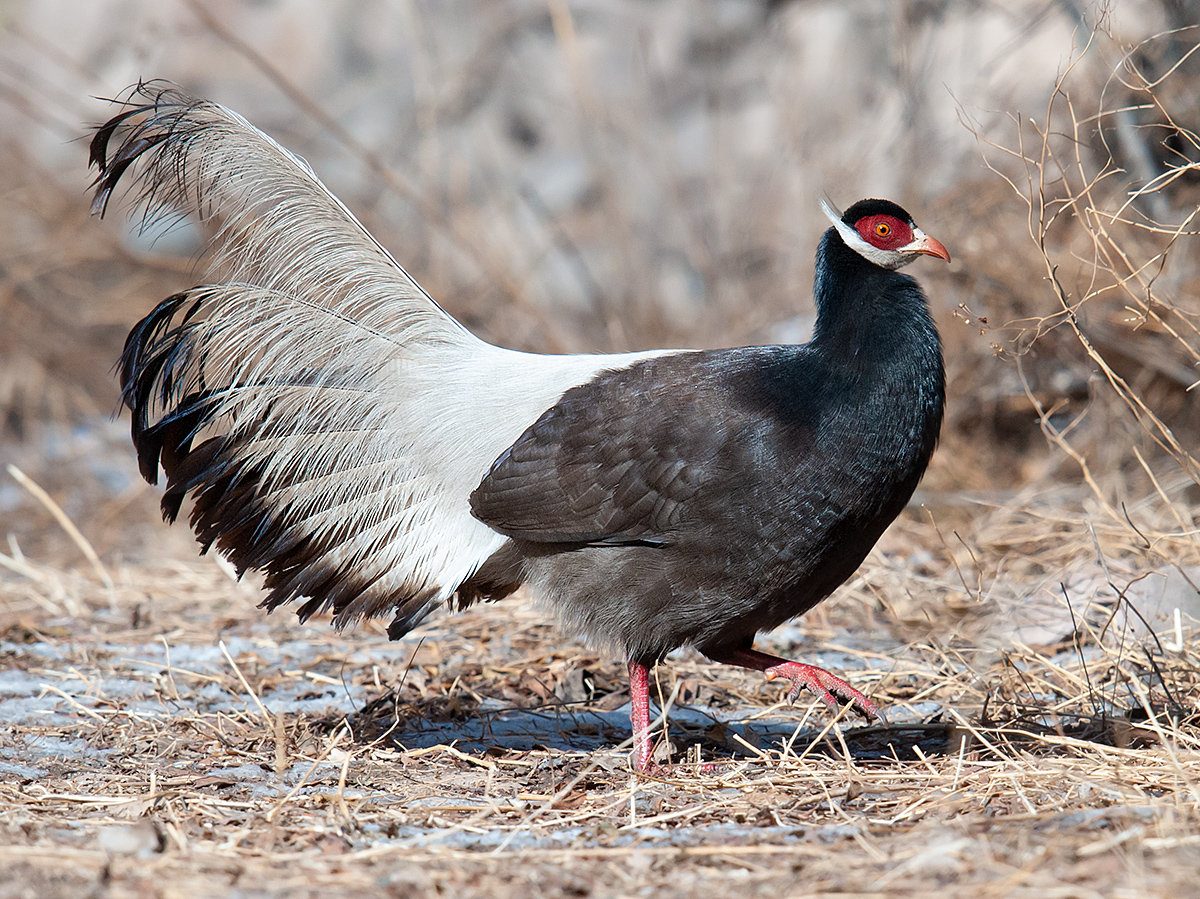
[(1069, 769), (1108, 176)]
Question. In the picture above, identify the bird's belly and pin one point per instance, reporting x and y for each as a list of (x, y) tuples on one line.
[(718, 584), (648, 600)]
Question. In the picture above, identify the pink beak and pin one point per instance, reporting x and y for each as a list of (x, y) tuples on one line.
[(929, 247)]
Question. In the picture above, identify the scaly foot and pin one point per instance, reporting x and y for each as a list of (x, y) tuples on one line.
[(822, 684), (803, 677)]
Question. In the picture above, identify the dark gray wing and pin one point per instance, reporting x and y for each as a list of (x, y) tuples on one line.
[(617, 460), (626, 457)]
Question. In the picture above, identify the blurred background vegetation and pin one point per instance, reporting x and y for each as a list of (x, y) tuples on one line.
[(594, 175)]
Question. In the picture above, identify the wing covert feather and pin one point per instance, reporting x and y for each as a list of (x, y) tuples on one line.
[(620, 459)]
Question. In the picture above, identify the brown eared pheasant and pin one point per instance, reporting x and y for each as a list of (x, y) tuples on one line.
[(340, 432)]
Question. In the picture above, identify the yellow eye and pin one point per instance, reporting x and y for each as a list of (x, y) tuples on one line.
[(883, 229)]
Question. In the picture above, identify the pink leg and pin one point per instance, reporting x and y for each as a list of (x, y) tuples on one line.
[(819, 681), (639, 715)]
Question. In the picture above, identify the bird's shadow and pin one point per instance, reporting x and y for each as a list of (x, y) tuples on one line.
[(484, 726)]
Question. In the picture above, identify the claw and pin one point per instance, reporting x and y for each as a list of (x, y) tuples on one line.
[(822, 684)]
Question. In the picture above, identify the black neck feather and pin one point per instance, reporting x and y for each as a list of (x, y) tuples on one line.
[(864, 310)]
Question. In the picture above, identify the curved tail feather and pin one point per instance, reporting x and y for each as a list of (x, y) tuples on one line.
[(327, 416)]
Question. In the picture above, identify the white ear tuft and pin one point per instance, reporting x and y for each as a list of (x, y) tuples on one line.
[(852, 239), (831, 211), (889, 259)]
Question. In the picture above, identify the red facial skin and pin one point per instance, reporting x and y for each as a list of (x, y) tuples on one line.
[(895, 233)]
